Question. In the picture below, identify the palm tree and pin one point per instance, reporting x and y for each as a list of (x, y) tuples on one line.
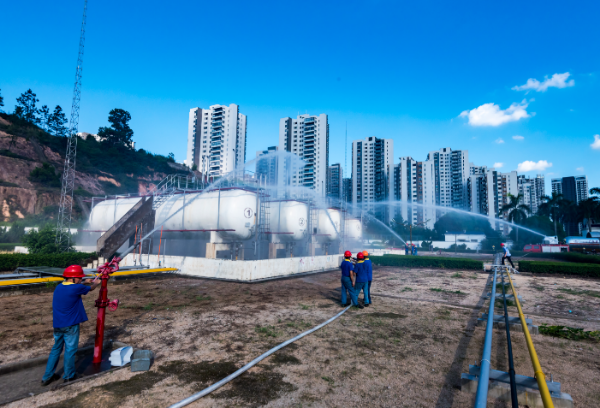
[(554, 207), (516, 213), (588, 210)]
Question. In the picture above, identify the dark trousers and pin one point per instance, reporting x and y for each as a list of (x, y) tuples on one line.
[(509, 260)]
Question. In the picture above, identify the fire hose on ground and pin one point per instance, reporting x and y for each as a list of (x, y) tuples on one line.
[(251, 364)]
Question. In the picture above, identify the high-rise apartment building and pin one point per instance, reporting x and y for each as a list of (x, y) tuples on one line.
[(574, 189), (451, 174), (266, 166), (347, 189), (307, 136), (414, 189), (532, 190), (216, 139), (335, 183), (373, 175), (488, 191)]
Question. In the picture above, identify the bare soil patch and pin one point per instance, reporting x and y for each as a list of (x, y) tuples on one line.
[(407, 349)]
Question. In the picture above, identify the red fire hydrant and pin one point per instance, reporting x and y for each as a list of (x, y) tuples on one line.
[(101, 303)]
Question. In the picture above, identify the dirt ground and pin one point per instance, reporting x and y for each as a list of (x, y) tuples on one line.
[(408, 349)]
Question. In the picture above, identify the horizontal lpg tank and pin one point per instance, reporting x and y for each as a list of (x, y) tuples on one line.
[(106, 213), (353, 228), (328, 224), (230, 212), (288, 220)]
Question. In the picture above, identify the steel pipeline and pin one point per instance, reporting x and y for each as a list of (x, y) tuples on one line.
[(511, 366), (484, 372), (537, 368), (251, 364)]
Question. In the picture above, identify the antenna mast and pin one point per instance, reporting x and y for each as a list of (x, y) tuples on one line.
[(65, 211)]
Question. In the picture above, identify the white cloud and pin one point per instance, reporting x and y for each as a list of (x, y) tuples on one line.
[(498, 165), (596, 144), (490, 114), (580, 169), (528, 165), (519, 138), (557, 81), (499, 140)]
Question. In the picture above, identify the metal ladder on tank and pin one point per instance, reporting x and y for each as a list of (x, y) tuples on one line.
[(265, 213)]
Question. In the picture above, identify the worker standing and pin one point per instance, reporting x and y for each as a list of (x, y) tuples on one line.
[(67, 313), (369, 267), (362, 278), (347, 274), (506, 255)]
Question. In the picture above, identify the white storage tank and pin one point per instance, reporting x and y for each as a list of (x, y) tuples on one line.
[(353, 228), (231, 212), (106, 213), (328, 224), (288, 220)]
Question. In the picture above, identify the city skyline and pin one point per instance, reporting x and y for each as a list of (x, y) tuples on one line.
[(537, 116)]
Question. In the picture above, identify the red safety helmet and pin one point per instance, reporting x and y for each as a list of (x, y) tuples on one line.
[(502, 244), (73, 271), (360, 255), (347, 254)]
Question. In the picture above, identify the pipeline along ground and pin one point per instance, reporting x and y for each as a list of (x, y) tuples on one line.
[(408, 349)]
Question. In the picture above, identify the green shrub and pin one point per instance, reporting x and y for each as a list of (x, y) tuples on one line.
[(562, 268), (42, 241), (45, 175), (9, 262), (570, 333), (427, 262)]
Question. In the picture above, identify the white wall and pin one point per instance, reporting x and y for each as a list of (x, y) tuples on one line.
[(241, 270)]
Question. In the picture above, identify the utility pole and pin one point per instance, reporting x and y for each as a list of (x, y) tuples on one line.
[(65, 211)]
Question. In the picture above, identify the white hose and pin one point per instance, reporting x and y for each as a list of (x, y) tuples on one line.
[(251, 364)]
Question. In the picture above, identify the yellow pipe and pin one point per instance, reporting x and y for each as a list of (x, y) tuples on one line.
[(537, 368), (43, 280), (30, 280)]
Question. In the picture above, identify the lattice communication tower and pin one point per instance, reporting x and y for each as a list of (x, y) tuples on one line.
[(65, 211)]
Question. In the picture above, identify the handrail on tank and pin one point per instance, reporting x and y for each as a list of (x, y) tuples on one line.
[(537, 368), (485, 365)]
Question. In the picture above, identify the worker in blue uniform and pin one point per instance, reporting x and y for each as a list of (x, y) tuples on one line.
[(67, 313), (369, 267), (347, 268), (362, 278)]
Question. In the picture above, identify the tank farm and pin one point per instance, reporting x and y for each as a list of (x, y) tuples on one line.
[(229, 294)]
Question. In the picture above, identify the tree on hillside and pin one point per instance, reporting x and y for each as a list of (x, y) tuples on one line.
[(1, 100), (119, 133), (554, 207), (57, 122), (45, 117), (516, 212), (25, 108)]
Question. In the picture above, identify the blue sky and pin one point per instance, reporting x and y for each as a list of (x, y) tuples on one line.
[(389, 69)]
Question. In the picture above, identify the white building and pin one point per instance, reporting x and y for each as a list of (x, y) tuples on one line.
[(414, 182), (373, 175), (472, 240), (308, 137), (335, 184), (488, 191), (532, 189), (266, 167), (216, 139), (451, 174)]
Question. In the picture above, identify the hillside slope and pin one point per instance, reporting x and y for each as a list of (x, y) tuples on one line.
[(101, 170)]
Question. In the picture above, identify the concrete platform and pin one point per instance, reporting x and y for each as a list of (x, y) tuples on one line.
[(242, 271)]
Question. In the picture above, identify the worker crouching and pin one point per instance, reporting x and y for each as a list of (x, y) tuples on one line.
[(347, 277), (67, 313)]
